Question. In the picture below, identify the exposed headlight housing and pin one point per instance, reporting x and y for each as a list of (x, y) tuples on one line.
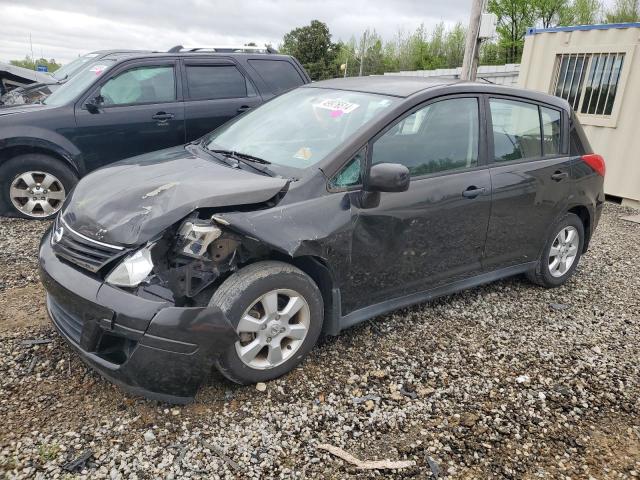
[(196, 237), (133, 269)]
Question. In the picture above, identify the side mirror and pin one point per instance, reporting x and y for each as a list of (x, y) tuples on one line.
[(93, 104), (388, 177)]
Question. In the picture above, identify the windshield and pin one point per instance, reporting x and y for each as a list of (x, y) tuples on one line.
[(300, 128), (67, 71), (79, 83)]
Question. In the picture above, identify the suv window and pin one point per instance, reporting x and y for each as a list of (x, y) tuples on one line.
[(207, 82), (279, 75), (439, 137), (516, 130), (140, 85)]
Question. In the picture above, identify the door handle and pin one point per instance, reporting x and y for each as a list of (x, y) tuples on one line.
[(243, 108), (558, 176), (473, 192), (162, 116)]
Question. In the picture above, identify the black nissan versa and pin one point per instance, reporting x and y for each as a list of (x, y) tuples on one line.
[(331, 204), (125, 104)]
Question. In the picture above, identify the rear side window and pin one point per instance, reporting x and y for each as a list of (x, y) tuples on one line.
[(207, 82), (279, 75), (140, 85), (516, 130), (551, 132)]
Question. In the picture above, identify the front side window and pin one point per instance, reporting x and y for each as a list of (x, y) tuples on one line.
[(300, 128), (208, 82), (140, 85), (79, 83), (516, 130), (440, 137)]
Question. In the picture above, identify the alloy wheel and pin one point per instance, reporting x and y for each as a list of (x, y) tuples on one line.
[(37, 194), (273, 329), (564, 251)]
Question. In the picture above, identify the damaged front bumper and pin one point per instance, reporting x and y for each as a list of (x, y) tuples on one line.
[(149, 348)]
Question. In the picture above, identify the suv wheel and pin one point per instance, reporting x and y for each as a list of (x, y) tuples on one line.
[(34, 186), (277, 311), (561, 253)]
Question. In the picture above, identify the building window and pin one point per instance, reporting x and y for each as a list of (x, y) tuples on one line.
[(588, 81)]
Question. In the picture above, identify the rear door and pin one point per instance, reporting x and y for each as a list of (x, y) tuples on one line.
[(140, 111), (215, 91), (530, 174)]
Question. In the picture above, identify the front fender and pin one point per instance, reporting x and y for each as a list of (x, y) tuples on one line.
[(43, 139)]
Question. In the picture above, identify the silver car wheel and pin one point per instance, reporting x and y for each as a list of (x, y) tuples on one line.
[(37, 194), (273, 329), (564, 251)]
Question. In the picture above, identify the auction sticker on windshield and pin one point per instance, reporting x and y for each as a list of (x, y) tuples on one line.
[(337, 105), (98, 69)]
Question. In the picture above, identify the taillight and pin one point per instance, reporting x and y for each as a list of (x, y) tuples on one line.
[(596, 162)]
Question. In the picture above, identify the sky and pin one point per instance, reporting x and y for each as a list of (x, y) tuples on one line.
[(65, 29)]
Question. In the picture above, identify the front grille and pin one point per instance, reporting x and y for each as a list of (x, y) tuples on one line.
[(81, 250), (70, 324)]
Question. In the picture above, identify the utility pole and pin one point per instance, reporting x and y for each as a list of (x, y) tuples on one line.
[(364, 50), (472, 43)]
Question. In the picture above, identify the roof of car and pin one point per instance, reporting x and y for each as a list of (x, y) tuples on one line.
[(383, 84), (401, 86), (117, 56)]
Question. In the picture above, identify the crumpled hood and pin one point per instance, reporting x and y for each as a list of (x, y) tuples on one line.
[(130, 202)]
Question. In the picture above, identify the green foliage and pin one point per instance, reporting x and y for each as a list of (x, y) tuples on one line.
[(313, 47), (624, 11), (31, 64), (581, 12)]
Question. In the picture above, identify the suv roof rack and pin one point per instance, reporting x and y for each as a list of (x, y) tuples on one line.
[(222, 49)]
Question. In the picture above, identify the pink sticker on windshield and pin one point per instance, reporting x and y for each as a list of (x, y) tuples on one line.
[(98, 69)]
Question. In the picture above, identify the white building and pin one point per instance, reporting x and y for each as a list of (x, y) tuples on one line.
[(597, 69)]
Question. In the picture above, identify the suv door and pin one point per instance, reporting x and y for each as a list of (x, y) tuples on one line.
[(435, 232), (530, 174), (215, 91), (139, 109)]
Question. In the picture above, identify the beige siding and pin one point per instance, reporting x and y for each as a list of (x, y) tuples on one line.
[(616, 137)]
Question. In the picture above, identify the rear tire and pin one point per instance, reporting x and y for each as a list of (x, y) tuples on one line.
[(561, 253), (34, 186), (281, 310)]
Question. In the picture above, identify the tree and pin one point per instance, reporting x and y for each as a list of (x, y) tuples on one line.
[(624, 11), (514, 16), (581, 12), (549, 11), (313, 47), (31, 64)]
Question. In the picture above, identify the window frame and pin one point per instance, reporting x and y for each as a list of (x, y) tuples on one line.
[(126, 66), (216, 62), (482, 137), (593, 119), (563, 135)]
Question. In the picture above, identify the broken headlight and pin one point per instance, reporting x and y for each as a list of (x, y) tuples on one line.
[(133, 269), (196, 236)]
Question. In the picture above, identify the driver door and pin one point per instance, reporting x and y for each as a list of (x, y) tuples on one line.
[(139, 110)]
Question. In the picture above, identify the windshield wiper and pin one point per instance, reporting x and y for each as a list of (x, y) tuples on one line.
[(245, 158)]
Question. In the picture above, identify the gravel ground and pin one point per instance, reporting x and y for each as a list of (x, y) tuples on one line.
[(506, 381)]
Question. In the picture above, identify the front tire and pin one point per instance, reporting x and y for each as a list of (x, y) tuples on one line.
[(277, 311), (34, 186), (561, 253)]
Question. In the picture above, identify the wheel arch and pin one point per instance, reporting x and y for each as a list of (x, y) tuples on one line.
[(12, 148), (584, 214)]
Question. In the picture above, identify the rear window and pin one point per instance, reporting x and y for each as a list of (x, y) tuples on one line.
[(279, 75), (215, 81)]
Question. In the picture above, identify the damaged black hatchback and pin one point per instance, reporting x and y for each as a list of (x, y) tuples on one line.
[(336, 202)]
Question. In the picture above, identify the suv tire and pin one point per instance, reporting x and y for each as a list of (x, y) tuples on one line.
[(565, 244), (36, 168), (281, 309)]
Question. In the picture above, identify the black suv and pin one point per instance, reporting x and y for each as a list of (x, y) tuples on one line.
[(126, 104), (331, 204)]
